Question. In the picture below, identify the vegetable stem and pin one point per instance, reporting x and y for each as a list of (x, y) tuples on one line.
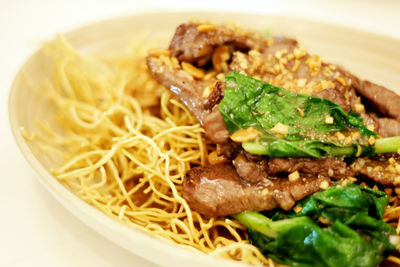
[(342, 151), (255, 148), (382, 145), (387, 145), (256, 221), (291, 124), (260, 223), (337, 227)]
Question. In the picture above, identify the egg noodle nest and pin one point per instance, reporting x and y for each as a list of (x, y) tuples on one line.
[(125, 146)]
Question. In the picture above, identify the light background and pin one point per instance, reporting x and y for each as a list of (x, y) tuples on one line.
[(35, 230)]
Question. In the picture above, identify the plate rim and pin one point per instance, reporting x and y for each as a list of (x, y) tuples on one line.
[(98, 220)]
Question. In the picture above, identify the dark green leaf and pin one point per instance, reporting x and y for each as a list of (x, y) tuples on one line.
[(252, 103), (356, 235)]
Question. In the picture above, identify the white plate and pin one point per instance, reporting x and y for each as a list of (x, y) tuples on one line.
[(366, 55)]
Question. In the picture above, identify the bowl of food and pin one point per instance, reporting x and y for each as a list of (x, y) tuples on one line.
[(182, 134)]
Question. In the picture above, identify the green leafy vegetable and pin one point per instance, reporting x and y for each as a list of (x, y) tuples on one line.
[(316, 127), (354, 235)]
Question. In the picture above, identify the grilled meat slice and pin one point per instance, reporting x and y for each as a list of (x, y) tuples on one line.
[(218, 190), (279, 61), (294, 69), (384, 169), (189, 91), (308, 75), (251, 170), (336, 96), (215, 96), (330, 167), (388, 127), (192, 44), (254, 170), (385, 127), (385, 100)]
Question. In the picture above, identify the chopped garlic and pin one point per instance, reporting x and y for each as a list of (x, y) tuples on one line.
[(324, 220), (299, 52), (301, 82), (324, 185), (280, 128), (329, 119), (297, 209), (371, 127), (301, 111), (327, 84), (245, 135), (352, 179), (265, 192), (341, 81), (397, 190), (359, 107), (359, 150), (371, 140), (205, 27), (340, 136), (294, 176)]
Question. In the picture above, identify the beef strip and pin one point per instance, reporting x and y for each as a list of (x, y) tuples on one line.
[(190, 45), (194, 46), (340, 90), (218, 190), (385, 100), (278, 61), (189, 91), (330, 167), (268, 59), (336, 96), (253, 171), (229, 150), (216, 96), (338, 86), (388, 127), (384, 169)]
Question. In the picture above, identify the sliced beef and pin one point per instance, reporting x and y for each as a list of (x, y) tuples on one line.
[(384, 169), (192, 44), (229, 149), (330, 167), (251, 170), (385, 100), (255, 169), (385, 127), (226, 188), (388, 127), (219, 191), (181, 83), (335, 96), (214, 126), (189, 91), (282, 62), (216, 96), (308, 75)]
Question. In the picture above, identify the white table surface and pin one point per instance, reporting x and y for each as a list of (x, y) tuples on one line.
[(35, 230)]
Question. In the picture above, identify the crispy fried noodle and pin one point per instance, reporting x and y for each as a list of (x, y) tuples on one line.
[(124, 146)]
